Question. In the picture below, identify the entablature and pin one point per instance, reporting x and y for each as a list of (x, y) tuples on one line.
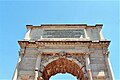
[(63, 43), (64, 53), (63, 26)]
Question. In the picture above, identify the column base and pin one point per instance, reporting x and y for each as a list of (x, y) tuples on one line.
[(40, 78)]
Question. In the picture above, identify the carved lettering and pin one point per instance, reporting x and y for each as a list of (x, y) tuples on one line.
[(76, 33)]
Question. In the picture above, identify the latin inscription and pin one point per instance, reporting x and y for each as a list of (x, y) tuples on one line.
[(74, 33)]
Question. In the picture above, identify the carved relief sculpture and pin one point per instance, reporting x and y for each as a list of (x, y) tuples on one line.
[(78, 49)]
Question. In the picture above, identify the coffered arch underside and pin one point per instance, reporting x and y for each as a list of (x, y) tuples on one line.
[(63, 65)]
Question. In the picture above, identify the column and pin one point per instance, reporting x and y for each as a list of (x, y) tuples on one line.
[(86, 36), (27, 36), (88, 67), (101, 35), (110, 71), (37, 67), (21, 53)]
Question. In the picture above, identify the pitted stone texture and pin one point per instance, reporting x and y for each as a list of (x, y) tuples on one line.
[(61, 65), (91, 32), (36, 33), (31, 52), (85, 57), (27, 64)]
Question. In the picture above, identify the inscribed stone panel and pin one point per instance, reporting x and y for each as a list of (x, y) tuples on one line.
[(68, 33)]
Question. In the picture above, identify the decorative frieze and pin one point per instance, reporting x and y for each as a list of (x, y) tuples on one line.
[(80, 50), (75, 43)]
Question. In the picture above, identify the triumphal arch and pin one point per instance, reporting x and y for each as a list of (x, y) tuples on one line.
[(78, 49)]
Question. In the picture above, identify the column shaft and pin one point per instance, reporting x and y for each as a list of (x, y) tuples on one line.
[(88, 67), (37, 67)]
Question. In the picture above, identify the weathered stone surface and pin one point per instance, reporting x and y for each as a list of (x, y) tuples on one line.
[(68, 33), (50, 49)]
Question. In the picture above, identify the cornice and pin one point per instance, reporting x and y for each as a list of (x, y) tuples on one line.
[(64, 26), (50, 43)]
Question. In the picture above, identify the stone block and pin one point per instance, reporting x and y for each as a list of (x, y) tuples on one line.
[(27, 64)]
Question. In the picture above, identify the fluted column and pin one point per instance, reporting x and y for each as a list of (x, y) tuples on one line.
[(110, 71), (37, 67), (88, 67)]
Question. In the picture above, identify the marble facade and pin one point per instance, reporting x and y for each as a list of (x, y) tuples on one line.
[(78, 49)]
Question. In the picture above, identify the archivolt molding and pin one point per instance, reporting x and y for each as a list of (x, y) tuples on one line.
[(78, 58), (62, 65)]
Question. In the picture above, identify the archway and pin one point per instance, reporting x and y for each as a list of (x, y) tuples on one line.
[(61, 76), (63, 65)]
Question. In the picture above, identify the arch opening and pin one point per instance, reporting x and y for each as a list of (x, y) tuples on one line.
[(60, 76), (63, 65)]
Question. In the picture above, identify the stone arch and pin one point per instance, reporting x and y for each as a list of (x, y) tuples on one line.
[(63, 65)]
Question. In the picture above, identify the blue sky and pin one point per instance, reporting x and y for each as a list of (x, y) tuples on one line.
[(15, 15)]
